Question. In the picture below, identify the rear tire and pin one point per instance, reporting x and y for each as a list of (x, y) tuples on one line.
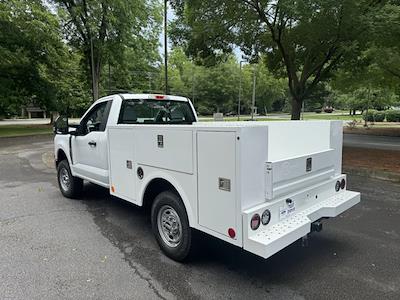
[(170, 226), (70, 186)]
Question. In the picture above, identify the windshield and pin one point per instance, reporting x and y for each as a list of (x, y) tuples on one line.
[(143, 111)]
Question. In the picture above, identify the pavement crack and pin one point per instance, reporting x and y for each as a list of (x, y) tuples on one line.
[(100, 215)]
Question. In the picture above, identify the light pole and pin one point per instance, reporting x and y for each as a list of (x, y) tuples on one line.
[(253, 102), (165, 48), (240, 86), (193, 86)]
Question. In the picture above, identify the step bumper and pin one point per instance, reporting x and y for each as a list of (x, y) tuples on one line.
[(274, 238)]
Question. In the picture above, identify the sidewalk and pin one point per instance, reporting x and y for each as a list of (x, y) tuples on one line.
[(8, 122), (376, 163)]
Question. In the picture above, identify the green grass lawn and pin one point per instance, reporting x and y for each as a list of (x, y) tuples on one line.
[(21, 130), (233, 119), (344, 117)]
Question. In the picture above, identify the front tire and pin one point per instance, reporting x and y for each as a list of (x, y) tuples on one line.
[(70, 186), (170, 226)]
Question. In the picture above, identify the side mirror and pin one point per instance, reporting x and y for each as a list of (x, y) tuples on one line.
[(61, 125)]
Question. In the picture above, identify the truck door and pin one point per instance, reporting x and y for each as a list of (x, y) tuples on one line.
[(89, 148)]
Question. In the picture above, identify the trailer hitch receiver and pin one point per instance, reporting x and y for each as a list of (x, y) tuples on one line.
[(316, 226)]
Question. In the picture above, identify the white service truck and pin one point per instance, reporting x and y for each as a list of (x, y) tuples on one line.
[(257, 185)]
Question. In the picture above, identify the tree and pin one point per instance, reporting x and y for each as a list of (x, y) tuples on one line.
[(307, 39), (384, 48), (268, 88), (365, 83), (103, 30), (32, 55)]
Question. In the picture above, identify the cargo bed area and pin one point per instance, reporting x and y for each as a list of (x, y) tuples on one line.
[(227, 172)]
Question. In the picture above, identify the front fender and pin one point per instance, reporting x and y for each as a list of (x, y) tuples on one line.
[(61, 143)]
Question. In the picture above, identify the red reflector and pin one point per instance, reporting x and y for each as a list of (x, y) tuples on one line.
[(232, 233), (160, 97)]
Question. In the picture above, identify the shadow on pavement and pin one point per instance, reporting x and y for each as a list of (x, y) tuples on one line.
[(127, 225)]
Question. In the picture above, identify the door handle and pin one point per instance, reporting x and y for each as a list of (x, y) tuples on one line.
[(92, 143)]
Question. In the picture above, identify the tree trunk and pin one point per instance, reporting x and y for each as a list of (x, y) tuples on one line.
[(296, 108), (94, 70)]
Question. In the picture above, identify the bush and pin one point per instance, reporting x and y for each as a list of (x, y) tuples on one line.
[(374, 116), (318, 110), (393, 115), (203, 110), (369, 116), (379, 116)]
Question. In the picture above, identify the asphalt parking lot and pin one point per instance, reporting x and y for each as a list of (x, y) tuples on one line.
[(100, 247)]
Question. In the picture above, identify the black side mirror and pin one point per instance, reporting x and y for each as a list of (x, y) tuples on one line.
[(61, 125)]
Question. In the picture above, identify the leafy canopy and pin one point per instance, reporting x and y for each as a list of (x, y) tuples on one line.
[(305, 39)]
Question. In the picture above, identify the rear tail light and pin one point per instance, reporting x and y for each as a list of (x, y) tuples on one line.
[(255, 222), (337, 186), (265, 217), (343, 184), (160, 97)]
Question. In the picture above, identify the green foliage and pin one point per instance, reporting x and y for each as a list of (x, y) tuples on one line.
[(46, 56), (385, 42), (342, 53), (393, 115), (374, 116), (366, 97), (31, 52), (216, 88), (122, 34), (306, 39), (379, 116), (369, 116)]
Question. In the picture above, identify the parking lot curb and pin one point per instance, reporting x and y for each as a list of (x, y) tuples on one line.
[(378, 174)]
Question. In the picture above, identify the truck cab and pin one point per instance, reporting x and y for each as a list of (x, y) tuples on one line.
[(256, 185), (89, 142)]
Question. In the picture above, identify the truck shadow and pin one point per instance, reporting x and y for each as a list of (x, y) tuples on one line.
[(128, 227)]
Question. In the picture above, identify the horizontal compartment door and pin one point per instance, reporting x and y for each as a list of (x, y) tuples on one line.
[(287, 175)]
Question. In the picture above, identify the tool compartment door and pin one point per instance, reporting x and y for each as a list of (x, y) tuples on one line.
[(216, 157), (122, 163)]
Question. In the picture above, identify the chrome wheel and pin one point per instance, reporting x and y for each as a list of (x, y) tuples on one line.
[(65, 180), (169, 226)]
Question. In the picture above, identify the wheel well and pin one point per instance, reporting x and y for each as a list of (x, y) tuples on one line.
[(60, 156), (155, 187)]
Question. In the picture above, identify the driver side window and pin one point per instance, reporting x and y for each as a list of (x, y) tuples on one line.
[(96, 119)]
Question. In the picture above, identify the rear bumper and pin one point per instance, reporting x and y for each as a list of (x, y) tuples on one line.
[(272, 239)]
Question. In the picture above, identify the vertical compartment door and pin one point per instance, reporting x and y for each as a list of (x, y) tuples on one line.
[(122, 163), (216, 160)]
